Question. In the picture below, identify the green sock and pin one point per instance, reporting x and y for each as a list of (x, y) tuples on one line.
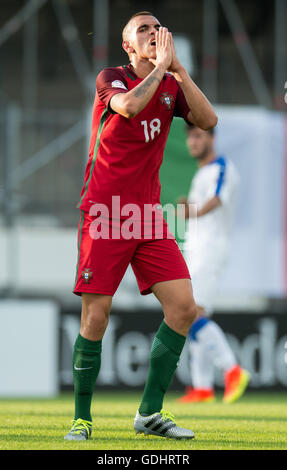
[(86, 366), (164, 357)]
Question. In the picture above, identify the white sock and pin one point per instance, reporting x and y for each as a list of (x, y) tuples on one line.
[(211, 337), (201, 366)]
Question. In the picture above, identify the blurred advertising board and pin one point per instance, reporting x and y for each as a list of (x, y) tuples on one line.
[(259, 341), (29, 351)]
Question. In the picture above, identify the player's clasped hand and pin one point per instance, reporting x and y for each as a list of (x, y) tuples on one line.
[(163, 48)]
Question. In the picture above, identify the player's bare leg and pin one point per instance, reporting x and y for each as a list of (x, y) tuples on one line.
[(176, 298), (95, 315), (179, 309), (87, 360)]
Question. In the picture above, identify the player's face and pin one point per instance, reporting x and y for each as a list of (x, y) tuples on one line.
[(141, 36), (199, 142)]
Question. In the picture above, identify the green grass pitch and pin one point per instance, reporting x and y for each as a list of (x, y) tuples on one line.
[(258, 421)]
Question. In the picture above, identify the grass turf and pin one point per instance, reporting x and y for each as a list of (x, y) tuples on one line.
[(258, 421)]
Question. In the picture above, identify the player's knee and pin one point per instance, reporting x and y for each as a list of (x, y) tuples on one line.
[(187, 311), (96, 321), (192, 313), (95, 318)]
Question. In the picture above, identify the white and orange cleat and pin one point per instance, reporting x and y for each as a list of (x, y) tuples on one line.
[(197, 395)]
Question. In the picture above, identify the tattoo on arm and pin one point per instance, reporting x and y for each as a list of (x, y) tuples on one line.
[(142, 89)]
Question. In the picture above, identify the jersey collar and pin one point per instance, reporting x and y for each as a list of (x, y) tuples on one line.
[(218, 159), (130, 72)]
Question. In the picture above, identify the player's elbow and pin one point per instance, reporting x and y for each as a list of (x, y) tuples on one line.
[(213, 122), (126, 111), (209, 122), (132, 106), (132, 109), (123, 105), (130, 113)]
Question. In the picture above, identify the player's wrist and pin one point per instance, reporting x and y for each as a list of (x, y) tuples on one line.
[(179, 73), (161, 67)]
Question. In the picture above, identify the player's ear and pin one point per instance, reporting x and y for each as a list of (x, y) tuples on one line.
[(127, 47)]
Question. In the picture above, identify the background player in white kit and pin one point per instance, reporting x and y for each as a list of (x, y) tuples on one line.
[(212, 198)]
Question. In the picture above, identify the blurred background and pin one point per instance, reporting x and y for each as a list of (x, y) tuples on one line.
[(50, 54)]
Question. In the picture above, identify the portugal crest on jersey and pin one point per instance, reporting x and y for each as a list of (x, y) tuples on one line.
[(166, 99)]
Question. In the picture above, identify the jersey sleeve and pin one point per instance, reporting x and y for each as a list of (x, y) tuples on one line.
[(225, 182), (181, 108), (110, 82)]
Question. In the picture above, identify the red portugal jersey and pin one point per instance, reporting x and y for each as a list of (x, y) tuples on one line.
[(125, 155)]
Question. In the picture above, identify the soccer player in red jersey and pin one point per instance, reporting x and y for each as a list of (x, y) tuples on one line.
[(133, 110)]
